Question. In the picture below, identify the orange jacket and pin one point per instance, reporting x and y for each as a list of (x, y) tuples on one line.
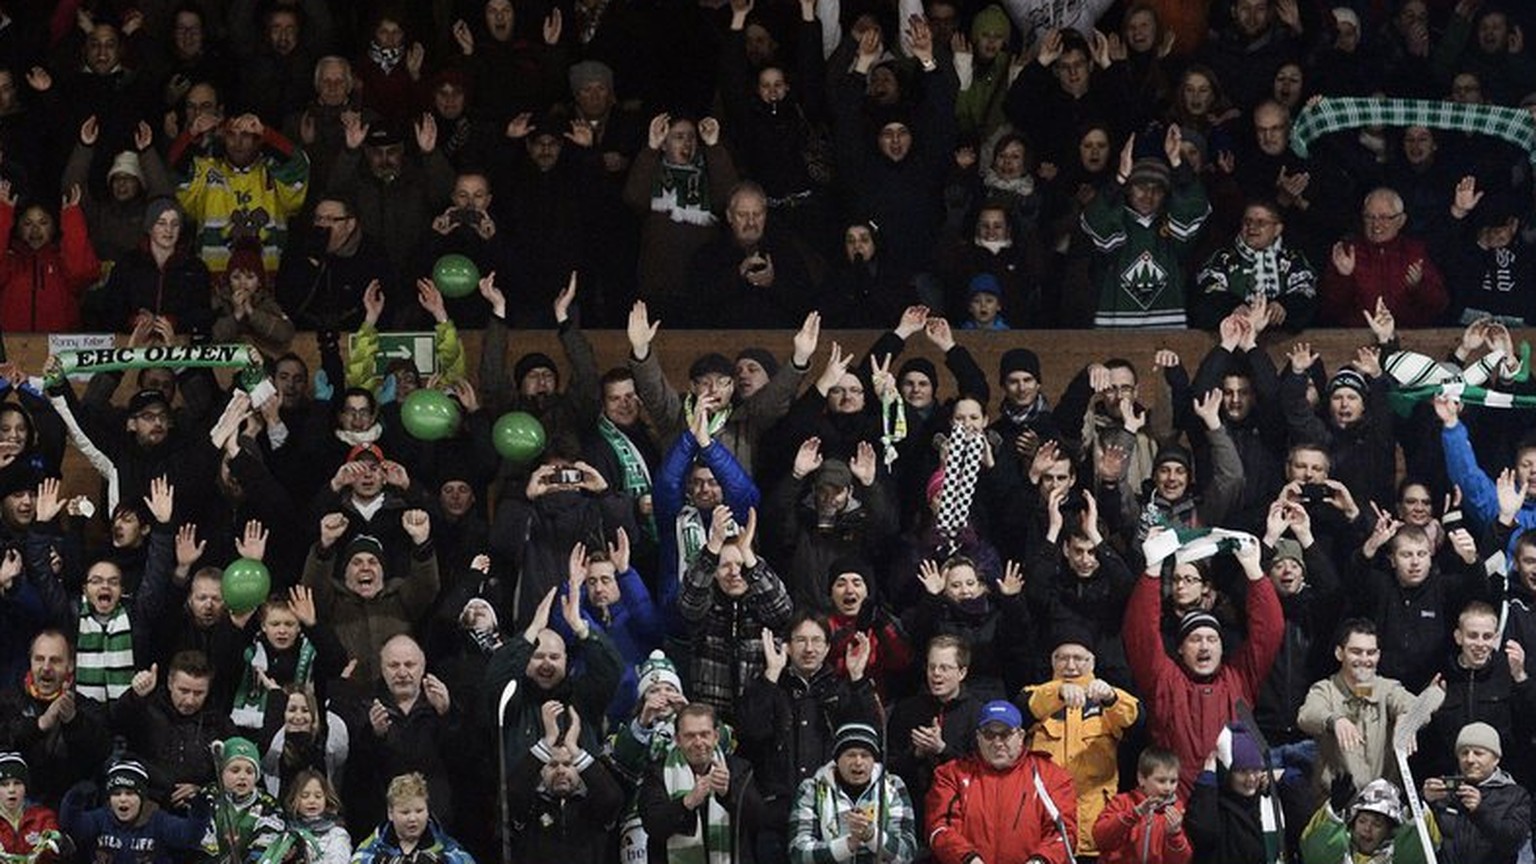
[(1086, 742), (1000, 815)]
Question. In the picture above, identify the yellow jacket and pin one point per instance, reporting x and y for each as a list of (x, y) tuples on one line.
[(1085, 741)]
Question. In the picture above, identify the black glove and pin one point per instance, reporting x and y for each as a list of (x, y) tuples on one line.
[(1341, 792)]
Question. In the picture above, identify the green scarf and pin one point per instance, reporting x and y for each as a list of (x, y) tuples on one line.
[(636, 480), (681, 192), (716, 423), (104, 664), (711, 840), (250, 696)]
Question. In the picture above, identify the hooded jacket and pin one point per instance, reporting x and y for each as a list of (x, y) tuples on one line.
[(1495, 831), (40, 289), (1086, 742), (156, 837), (975, 809), (816, 837), (1124, 836)]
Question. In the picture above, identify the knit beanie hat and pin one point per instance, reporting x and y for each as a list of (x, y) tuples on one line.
[(589, 71), (1348, 378), (480, 603), (1246, 755), (1195, 620), (763, 357), (19, 476), (1150, 169), (127, 774), (1480, 735), (1069, 632), (158, 207), (713, 363), (656, 669), (14, 767), (1286, 548), (856, 735), (531, 361), (922, 366), (1173, 453), (1018, 360), (232, 750), (360, 544)]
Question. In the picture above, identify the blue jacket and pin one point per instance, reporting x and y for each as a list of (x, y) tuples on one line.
[(634, 629), (1479, 497), (381, 846), (156, 837), (736, 489)]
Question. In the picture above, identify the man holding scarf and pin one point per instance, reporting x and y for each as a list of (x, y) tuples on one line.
[(699, 806)]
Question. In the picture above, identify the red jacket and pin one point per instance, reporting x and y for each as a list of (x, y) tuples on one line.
[(1121, 834), (1187, 714), (999, 815), (1381, 271), (40, 290), (22, 838)]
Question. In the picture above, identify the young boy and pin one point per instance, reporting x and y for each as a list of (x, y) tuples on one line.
[(410, 832), (290, 649), (27, 833), (246, 821), (985, 304), (1147, 819), (1371, 827), (131, 829)]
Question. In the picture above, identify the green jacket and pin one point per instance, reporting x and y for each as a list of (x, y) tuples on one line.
[(1138, 260)]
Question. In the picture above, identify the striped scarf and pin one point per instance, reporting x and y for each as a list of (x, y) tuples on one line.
[(962, 465), (1187, 544), (250, 696), (711, 840), (636, 479), (1266, 267), (1333, 114), (1420, 379), (104, 654)]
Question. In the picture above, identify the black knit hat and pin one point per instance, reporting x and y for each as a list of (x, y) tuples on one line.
[(1195, 620), (856, 735), (531, 361), (922, 366), (713, 363), (762, 357), (1019, 360)]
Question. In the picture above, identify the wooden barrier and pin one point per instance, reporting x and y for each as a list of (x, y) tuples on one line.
[(1062, 353)]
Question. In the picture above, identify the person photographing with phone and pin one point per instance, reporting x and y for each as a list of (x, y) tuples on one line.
[(1483, 814), (1145, 825)]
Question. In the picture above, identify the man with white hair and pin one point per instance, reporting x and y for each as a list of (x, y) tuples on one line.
[(1382, 264)]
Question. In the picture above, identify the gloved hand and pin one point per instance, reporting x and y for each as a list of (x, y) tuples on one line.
[(1341, 792)]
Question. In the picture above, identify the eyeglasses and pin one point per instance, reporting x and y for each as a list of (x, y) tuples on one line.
[(808, 641), (1188, 579), (995, 734), (1072, 658)]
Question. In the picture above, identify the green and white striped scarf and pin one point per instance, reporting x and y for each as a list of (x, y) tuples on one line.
[(104, 654), (636, 481), (711, 840), (1333, 114), (250, 696), (1191, 544), (1420, 378)]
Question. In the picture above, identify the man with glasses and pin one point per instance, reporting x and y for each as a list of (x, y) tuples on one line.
[(788, 717), (1256, 264), (1079, 721), (1003, 803), (1382, 264), (935, 726), (321, 284)]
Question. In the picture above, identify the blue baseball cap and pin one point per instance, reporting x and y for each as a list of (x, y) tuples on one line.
[(1000, 711)]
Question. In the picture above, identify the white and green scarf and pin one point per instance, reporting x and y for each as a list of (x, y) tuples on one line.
[(1188, 544), (250, 696), (636, 475), (711, 840), (104, 665)]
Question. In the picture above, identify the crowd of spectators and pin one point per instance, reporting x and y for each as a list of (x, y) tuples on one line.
[(814, 603)]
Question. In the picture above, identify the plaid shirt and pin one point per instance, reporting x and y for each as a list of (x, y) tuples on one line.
[(1514, 125), (817, 826)]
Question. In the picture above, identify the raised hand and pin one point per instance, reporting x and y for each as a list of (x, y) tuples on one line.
[(144, 680), (709, 131), (775, 656), (253, 543), (1012, 583), (1466, 198), (913, 319), (929, 574), (1448, 410), (493, 295), (939, 333), (301, 601), (437, 693), (1208, 409), (857, 655), (464, 36), (836, 368), (641, 330), (806, 339), (552, 27), (332, 526), (657, 133), (1343, 258), (863, 464), (1173, 139), (48, 503), (1301, 357), (417, 525), (618, 551), (920, 35), (90, 130), (808, 458), (161, 499)]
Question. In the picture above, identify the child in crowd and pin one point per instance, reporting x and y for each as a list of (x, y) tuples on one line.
[(1146, 824), (29, 833), (985, 304), (130, 829), (290, 649), (410, 833), (313, 806), (246, 821)]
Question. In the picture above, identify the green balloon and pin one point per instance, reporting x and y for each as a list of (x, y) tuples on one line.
[(429, 415), (518, 436), (455, 275), (246, 584)]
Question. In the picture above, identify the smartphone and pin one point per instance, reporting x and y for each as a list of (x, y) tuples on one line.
[(1453, 781), (1313, 493), (465, 216), (568, 476)]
